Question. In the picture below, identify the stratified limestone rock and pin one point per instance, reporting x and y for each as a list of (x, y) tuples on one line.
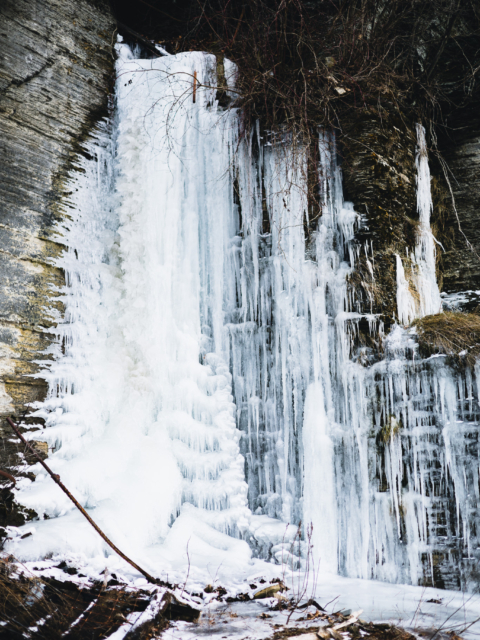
[(56, 66)]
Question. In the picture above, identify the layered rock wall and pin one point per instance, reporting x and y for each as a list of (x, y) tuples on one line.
[(56, 67)]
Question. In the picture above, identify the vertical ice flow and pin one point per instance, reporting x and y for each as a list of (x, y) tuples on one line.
[(427, 287), (423, 260)]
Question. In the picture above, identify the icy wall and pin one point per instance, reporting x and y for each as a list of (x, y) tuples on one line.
[(214, 363), (381, 459)]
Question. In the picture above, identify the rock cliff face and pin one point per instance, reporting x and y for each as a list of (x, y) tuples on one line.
[(380, 178), (56, 67), (379, 174)]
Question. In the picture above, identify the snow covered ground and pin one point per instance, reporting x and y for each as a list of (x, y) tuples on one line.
[(414, 608)]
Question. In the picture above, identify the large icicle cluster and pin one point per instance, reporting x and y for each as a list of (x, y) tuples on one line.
[(290, 336), (374, 457), (208, 341), (140, 410), (380, 459)]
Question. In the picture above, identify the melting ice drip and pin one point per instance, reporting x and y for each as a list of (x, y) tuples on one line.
[(201, 325)]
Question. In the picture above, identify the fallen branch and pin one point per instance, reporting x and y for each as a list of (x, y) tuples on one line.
[(56, 479), (353, 618), (312, 603), (7, 475)]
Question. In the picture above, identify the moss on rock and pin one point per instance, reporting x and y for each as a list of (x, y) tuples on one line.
[(379, 177)]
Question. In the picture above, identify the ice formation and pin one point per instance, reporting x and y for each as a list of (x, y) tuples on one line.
[(208, 385), (140, 411), (427, 300)]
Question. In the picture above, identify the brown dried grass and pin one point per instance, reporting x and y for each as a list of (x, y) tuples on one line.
[(452, 333)]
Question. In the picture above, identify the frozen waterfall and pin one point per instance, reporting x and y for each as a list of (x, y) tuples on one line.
[(209, 386)]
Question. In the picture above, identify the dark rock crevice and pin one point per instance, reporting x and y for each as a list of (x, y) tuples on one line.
[(461, 151)]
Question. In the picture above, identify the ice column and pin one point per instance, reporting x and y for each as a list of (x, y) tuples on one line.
[(290, 335), (319, 485), (424, 277)]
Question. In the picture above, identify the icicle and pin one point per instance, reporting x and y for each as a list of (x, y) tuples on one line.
[(405, 303), (319, 485), (423, 272), (426, 280)]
